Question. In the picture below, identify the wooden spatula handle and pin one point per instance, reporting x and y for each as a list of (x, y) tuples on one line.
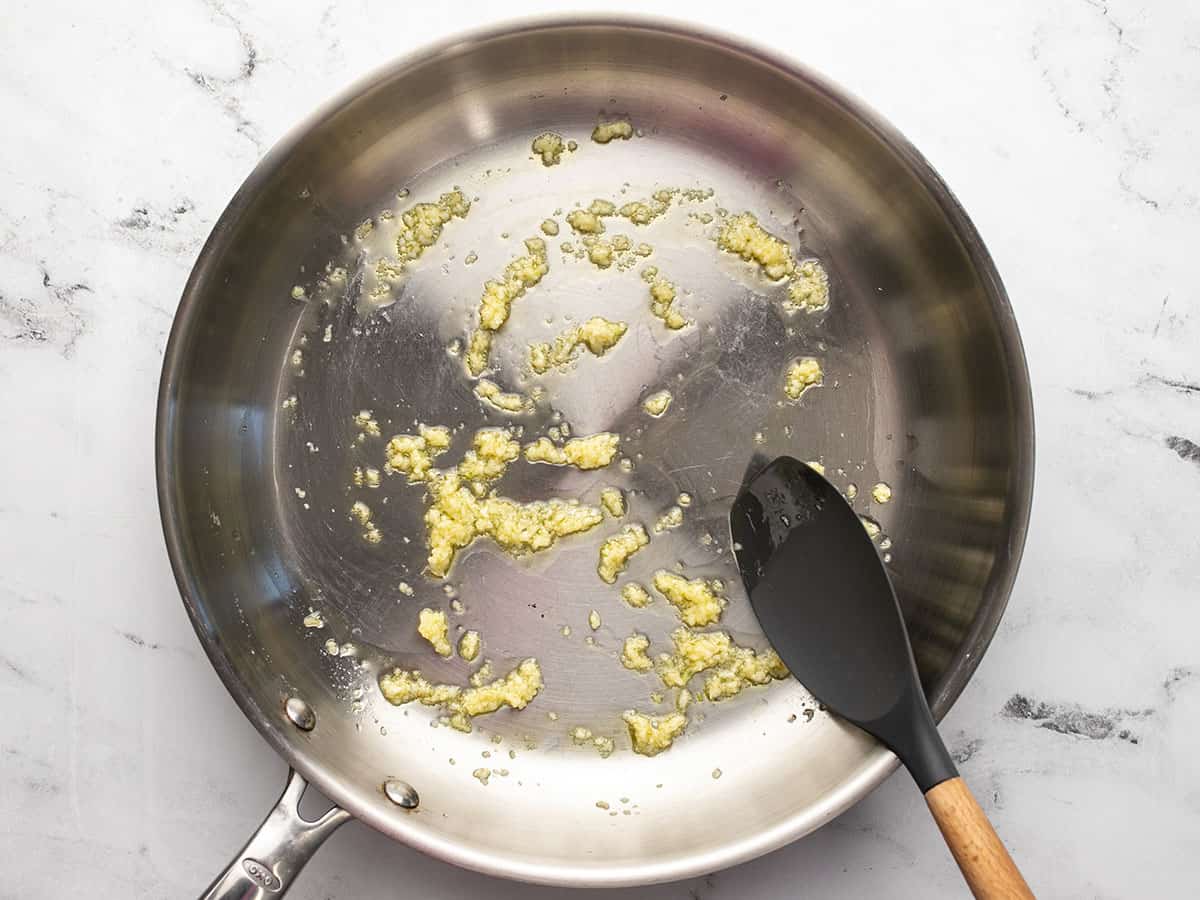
[(989, 870)]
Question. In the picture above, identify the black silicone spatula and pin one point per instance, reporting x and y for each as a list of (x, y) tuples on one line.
[(826, 604)]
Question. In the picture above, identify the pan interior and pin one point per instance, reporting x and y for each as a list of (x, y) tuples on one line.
[(922, 391)]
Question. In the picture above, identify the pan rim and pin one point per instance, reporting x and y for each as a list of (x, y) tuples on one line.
[(882, 762)]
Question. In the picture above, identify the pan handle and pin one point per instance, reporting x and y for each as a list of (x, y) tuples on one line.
[(278, 850)]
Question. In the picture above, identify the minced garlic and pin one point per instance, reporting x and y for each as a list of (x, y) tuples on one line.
[(549, 146), (584, 222), (657, 403), (603, 252), (497, 299), (615, 552), (612, 501), (618, 129), (653, 735), (413, 455), (495, 396), (365, 477), (662, 299), (635, 595), (672, 518), (492, 449), (515, 691), (458, 517), (597, 334), (461, 508), (600, 254), (731, 668), (808, 287), (881, 493), (744, 236), (590, 220), (696, 600), (479, 350), (432, 626), (371, 533), (365, 421), (801, 375), (643, 212), (695, 652), (583, 737), (421, 226), (633, 653), (743, 669), (595, 451), (482, 675), (469, 644)]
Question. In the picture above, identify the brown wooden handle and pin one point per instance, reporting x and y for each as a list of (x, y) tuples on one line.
[(990, 872)]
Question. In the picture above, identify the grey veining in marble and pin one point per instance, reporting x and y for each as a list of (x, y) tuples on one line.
[(1069, 130)]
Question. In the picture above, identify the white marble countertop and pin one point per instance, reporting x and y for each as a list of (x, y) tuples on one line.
[(1069, 131)]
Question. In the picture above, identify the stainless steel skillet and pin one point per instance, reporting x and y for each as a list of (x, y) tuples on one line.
[(925, 389)]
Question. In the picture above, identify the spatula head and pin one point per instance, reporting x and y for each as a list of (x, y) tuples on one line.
[(826, 604)]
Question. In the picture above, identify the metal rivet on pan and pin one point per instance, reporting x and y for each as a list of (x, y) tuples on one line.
[(300, 713), (401, 793)]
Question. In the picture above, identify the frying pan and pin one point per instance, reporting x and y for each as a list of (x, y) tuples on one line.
[(278, 343)]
